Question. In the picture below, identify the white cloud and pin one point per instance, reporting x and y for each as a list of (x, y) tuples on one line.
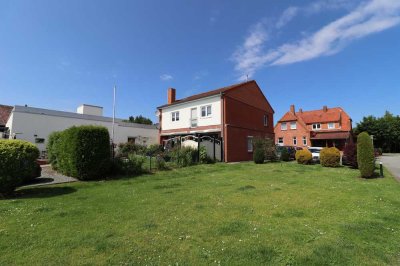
[(287, 16), (166, 77), (368, 18)]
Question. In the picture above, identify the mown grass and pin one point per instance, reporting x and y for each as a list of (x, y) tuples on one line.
[(230, 214)]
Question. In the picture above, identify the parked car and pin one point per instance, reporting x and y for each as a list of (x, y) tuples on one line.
[(315, 151), (291, 150)]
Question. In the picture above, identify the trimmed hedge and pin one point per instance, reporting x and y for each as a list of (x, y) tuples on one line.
[(83, 152), (365, 155), (303, 156), (52, 152), (17, 164), (330, 157)]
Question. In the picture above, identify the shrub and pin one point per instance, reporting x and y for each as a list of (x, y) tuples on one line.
[(258, 155), (330, 157), (84, 152), (133, 165), (17, 164), (154, 149), (350, 155), (124, 149), (303, 156), (204, 158), (270, 150), (52, 144), (285, 156), (160, 163), (183, 156), (365, 155)]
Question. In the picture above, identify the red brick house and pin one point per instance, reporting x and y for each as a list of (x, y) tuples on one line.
[(318, 128), (233, 115)]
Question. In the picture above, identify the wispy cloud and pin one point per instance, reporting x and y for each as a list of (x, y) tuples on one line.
[(200, 74), (287, 16), (166, 77), (367, 18)]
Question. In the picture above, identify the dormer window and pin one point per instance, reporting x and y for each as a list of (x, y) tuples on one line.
[(331, 125), (283, 126), (316, 126)]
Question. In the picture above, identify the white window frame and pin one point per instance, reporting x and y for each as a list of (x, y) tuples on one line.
[(249, 144), (279, 140), (265, 120), (283, 126), (304, 140), (175, 116), (295, 141), (316, 126), (293, 125), (331, 125), (207, 111)]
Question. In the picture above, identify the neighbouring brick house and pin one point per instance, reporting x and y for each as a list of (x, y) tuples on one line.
[(5, 112), (233, 115), (318, 128)]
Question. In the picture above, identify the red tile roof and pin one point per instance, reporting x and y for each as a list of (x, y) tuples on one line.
[(207, 94), (315, 116), (5, 112)]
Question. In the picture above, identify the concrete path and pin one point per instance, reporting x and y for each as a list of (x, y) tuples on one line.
[(392, 162), (50, 177)]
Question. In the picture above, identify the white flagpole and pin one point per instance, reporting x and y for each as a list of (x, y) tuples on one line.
[(113, 118)]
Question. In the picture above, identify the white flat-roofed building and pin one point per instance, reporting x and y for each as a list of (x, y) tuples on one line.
[(36, 124)]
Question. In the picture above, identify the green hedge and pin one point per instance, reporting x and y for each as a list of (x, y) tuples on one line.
[(83, 152), (17, 164), (330, 157), (365, 155)]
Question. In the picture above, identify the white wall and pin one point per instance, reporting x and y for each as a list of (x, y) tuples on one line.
[(185, 113), (42, 125)]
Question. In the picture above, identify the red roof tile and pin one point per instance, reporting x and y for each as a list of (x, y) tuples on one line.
[(321, 116), (5, 112), (207, 94)]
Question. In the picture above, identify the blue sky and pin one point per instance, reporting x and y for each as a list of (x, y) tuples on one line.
[(59, 54)]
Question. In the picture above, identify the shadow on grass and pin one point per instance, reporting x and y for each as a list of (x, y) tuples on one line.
[(41, 192), (41, 180)]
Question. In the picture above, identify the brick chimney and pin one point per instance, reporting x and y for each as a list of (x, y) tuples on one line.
[(292, 109), (325, 108), (171, 95)]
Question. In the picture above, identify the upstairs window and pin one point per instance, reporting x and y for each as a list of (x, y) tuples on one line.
[(283, 126), (266, 120), (206, 111), (175, 116), (293, 125), (316, 126), (331, 125)]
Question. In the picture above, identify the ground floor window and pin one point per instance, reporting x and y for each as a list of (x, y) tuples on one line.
[(294, 141), (249, 143), (305, 141), (131, 139), (280, 141)]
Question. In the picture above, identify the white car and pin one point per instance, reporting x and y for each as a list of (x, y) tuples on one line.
[(315, 153)]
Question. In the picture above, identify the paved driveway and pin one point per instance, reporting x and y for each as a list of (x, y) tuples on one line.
[(392, 163)]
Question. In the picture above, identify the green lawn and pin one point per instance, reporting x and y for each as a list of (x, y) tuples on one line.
[(242, 214)]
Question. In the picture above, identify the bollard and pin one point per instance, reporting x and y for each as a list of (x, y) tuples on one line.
[(381, 168)]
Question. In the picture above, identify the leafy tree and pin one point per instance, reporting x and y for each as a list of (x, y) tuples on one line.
[(139, 120), (386, 131)]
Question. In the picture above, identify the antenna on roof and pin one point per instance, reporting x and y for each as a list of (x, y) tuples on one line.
[(247, 77)]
